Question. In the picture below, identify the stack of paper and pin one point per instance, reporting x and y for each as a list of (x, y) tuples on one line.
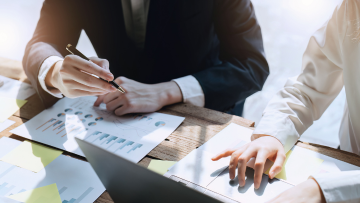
[(31, 156), (131, 136), (62, 179), (12, 96)]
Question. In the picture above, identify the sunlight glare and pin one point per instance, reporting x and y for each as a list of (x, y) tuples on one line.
[(8, 36)]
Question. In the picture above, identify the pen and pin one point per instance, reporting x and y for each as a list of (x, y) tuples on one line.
[(74, 51)]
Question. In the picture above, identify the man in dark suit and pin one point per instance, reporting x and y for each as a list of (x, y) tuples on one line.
[(204, 52)]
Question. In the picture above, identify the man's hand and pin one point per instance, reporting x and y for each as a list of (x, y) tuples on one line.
[(308, 191), (71, 77), (265, 147), (140, 97)]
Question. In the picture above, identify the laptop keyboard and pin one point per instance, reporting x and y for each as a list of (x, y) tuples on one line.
[(203, 190)]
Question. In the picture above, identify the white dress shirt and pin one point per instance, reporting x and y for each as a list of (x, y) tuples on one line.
[(331, 61), (135, 17)]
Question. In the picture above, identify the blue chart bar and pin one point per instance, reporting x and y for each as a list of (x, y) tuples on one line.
[(82, 196), (135, 147), (93, 134), (62, 190), (109, 139), (104, 136), (7, 171), (128, 143), (56, 123), (62, 125), (4, 190), (121, 140)]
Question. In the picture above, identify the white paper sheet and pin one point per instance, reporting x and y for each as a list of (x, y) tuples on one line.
[(236, 136), (198, 167), (7, 123), (131, 136), (268, 188), (15, 89), (74, 178)]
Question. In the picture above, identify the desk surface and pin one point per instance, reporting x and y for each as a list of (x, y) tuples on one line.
[(200, 125)]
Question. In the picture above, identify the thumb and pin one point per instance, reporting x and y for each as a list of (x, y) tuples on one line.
[(99, 100), (278, 164)]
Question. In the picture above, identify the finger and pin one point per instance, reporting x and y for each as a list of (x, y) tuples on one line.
[(81, 93), (225, 153), (100, 62), (114, 104), (88, 67), (112, 96), (89, 80), (242, 162), (279, 161), (72, 84), (99, 100), (259, 168), (234, 161), (122, 110)]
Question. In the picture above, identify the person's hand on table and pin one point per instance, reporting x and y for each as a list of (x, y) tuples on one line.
[(262, 148), (139, 97), (69, 78), (308, 191)]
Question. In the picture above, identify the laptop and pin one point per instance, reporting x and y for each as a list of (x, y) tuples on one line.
[(128, 182)]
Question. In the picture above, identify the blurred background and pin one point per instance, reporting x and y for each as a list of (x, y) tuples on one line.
[(286, 26)]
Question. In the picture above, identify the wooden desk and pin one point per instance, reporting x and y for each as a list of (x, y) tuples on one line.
[(199, 126)]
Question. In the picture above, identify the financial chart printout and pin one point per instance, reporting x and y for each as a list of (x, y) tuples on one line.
[(131, 136), (75, 180)]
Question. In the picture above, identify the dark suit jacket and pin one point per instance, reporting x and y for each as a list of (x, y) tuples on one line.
[(219, 42)]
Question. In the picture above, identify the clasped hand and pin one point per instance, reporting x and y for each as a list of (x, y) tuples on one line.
[(140, 97), (71, 78)]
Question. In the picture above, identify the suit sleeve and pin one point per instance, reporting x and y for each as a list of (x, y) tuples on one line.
[(58, 26), (244, 69)]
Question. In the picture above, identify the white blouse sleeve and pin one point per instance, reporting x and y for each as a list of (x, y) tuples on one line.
[(340, 187), (305, 97)]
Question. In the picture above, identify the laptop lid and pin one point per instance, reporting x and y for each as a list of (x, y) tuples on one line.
[(128, 182)]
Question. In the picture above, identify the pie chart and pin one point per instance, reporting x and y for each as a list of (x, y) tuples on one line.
[(68, 110), (99, 119), (88, 116), (61, 115), (160, 123), (92, 124)]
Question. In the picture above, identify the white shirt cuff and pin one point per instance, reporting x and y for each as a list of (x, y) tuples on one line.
[(340, 186), (191, 90), (280, 126), (44, 69)]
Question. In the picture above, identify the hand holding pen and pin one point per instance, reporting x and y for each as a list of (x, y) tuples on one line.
[(76, 52), (71, 77)]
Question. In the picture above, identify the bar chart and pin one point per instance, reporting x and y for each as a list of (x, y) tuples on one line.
[(112, 143), (73, 185), (131, 136), (79, 199)]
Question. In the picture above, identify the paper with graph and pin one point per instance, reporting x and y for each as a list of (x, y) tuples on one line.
[(64, 180), (131, 136)]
